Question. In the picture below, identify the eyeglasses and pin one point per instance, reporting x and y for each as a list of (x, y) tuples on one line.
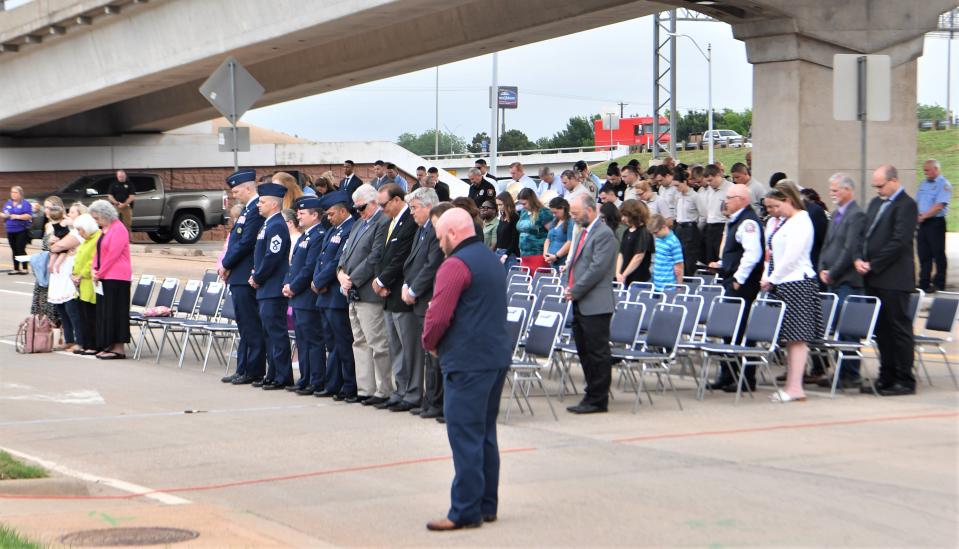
[(487, 208), (360, 207)]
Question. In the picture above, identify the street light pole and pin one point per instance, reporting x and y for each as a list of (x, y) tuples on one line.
[(436, 133), (494, 112), (708, 54)]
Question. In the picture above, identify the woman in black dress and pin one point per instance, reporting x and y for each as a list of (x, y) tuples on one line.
[(507, 238), (636, 247)]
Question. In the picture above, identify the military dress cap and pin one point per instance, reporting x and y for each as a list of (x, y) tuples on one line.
[(309, 203), (271, 189), (239, 177), (329, 200)]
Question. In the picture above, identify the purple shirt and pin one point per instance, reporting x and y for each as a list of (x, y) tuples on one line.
[(18, 225)]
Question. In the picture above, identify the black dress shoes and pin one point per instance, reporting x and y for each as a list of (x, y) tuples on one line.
[(441, 419), (416, 410), (343, 396), (731, 388), (373, 401), (897, 389), (292, 388), (229, 379), (323, 393), (308, 390), (244, 380), (276, 386), (384, 405), (431, 413), (586, 409), (261, 382), (402, 406), (354, 399), (720, 385)]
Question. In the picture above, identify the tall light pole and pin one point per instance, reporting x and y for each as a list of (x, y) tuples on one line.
[(708, 54), (436, 133), (494, 112)]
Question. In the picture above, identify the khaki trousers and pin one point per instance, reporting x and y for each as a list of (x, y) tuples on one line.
[(126, 216), (371, 351)]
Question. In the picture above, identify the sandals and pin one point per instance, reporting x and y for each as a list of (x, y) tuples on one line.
[(85, 352), (783, 396), (110, 355)]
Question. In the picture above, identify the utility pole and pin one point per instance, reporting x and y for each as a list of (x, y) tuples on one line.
[(622, 106), (494, 112), (436, 133)]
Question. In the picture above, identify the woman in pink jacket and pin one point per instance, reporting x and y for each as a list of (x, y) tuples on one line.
[(111, 278)]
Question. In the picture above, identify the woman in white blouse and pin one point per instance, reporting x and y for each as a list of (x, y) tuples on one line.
[(791, 278)]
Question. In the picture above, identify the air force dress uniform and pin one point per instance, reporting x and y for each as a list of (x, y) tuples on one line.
[(270, 265), (310, 339), (238, 259), (340, 368)]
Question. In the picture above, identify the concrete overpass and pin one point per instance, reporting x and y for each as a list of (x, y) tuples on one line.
[(82, 68)]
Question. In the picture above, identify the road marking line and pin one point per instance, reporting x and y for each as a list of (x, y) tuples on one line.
[(83, 396), (24, 283), (134, 489), (161, 414), (785, 427), (28, 294)]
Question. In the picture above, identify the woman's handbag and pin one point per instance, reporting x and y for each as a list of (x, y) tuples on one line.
[(35, 335)]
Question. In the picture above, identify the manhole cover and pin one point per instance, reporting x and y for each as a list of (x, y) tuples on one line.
[(113, 537)]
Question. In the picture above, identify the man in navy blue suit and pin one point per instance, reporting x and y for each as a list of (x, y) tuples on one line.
[(237, 265), (340, 368), (271, 261), (306, 315)]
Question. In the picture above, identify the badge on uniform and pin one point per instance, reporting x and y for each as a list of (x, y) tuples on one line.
[(259, 235), (275, 244), (335, 239), (304, 243)]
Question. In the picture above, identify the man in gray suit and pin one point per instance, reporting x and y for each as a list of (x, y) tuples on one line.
[(361, 252), (844, 236), (589, 286), (419, 272)]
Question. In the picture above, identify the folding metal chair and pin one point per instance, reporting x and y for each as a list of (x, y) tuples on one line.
[(558, 304), (537, 356), (515, 322), (525, 301), (539, 273), (165, 298), (722, 324), (518, 269), (141, 295), (857, 322), (516, 288), (758, 344), (708, 276), (649, 301), (544, 281), (183, 310), (708, 292), (208, 309), (658, 352), (915, 300), (694, 306), (223, 328), (942, 318), (692, 283), (635, 288)]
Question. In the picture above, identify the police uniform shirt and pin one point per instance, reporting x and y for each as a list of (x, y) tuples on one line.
[(748, 236), (271, 257), (482, 192), (714, 203), (121, 190), (688, 208)]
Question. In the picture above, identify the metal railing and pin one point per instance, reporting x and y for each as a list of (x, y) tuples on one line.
[(523, 152)]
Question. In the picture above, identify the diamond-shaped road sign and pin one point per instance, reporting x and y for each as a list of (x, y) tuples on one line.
[(218, 89)]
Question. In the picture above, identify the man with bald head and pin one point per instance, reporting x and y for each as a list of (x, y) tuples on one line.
[(469, 291), (740, 265)]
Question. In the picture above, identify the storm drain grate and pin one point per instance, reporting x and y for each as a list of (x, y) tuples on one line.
[(114, 537)]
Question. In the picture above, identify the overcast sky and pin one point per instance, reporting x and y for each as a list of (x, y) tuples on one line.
[(578, 74)]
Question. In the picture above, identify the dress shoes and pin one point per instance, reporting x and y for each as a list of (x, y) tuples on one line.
[(276, 386), (445, 525), (416, 410), (441, 419), (875, 387), (731, 388), (373, 401), (586, 409), (227, 379), (323, 393), (897, 389), (402, 406), (720, 385), (292, 388), (244, 380), (432, 413), (340, 397), (355, 399), (489, 518), (308, 390), (261, 382), (384, 405)]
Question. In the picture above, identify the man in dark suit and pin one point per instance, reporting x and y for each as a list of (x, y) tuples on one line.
[(237, 264), (836, 271), (351, 182), (589, 286), (271, 261), (432, 181), (306, 315), (470, 291), (361, 254), (400, 319), (885, 261), (340, 370), (419, 270)]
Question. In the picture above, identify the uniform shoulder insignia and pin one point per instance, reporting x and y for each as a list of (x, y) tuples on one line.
[(275, 244), (749, 226)]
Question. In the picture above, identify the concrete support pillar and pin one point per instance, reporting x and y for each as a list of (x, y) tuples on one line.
[(791, 50)]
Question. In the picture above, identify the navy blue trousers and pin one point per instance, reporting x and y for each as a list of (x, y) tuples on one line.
[(470, 406), (341, 372), (310, 346), (273, 315), (251, 350)]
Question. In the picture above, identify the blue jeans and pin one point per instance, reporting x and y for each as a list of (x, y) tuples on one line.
[(850, 366), (510, 258), (70, 321)]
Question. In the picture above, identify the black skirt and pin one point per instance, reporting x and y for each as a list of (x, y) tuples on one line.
[(113, 313), (802, 320)]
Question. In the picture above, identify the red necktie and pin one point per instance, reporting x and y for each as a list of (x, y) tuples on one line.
[(579, 248)]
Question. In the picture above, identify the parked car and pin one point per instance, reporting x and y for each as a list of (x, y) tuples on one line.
[(163, 215), (727, 138)]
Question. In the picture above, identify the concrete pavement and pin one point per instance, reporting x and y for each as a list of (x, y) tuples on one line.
[(254, 468)]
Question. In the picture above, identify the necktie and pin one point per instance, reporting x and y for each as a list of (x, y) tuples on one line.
[(389, 233), (576, 251), (838, 218), (882, 208)]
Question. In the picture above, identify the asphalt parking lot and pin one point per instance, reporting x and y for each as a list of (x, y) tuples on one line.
[(142, 444)]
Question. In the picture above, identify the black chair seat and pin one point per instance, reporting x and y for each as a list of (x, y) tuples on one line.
[(631, 354), (929, 339)]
